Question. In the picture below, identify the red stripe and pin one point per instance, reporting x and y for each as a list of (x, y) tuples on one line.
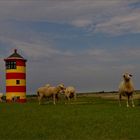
[(22, 100), (16, 59), (15, 88), (19, 101), (20, 63), (15, 75)]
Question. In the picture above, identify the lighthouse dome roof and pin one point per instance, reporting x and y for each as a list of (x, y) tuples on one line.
[(15, 55)]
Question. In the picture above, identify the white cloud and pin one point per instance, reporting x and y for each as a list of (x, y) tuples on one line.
[(126, 23), (34, 49), (90, 68), (81, 22), (113, 17), (87, 69)]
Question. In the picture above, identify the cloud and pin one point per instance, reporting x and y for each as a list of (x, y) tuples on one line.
[(105, 16), (93, 68), (87, 70), (34, 49), (37, 50), (121, 24), (81, 23)]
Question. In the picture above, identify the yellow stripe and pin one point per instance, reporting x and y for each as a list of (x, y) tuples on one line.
[(12, 82), (19, 69), (10, 95)]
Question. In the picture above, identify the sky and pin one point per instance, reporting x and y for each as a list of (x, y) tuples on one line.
[(87, 44)]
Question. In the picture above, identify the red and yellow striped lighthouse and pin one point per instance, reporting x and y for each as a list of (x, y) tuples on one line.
[(15, 78)]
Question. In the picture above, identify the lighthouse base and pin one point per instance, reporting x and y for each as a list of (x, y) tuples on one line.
[(19, 97), (16, 100)]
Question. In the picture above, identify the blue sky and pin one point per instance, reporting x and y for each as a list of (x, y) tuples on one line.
[(87, 44)]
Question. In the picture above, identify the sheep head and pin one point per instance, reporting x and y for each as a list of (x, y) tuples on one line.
[(127, 76), (61, 88)]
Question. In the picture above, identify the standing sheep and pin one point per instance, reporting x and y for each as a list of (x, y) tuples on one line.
[(70, 92), (126, 88), (49, 91)]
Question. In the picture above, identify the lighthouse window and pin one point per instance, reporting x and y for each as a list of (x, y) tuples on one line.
[(11, 65), (17, 82)]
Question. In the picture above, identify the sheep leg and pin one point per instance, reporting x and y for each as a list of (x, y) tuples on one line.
[(56, 96), (74, 96), (54, 99), (120, 97), (67, 99), (68, 96), (128, 100), (0, 99), (133, 105), (39, 98)]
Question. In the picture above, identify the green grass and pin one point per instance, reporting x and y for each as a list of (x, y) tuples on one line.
[(88, 118)]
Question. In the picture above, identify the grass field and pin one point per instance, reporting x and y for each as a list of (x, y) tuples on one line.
[(89, 118)]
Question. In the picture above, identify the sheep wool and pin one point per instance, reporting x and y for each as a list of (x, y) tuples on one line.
[(49, 91), (70, 92), (126, 88)]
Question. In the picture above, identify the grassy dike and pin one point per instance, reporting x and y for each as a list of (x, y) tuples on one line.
[(88, 118)]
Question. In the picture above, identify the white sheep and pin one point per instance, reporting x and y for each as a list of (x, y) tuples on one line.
[(49, 91), (47, 85), (1, 95), (70, 92), (126, 88)]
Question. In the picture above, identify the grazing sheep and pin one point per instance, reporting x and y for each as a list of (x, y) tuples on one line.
[(70, 92), (47, 85), (126, 88), (1, 96), (49, 91)]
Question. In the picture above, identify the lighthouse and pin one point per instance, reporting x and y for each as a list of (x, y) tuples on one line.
[(15, 66)]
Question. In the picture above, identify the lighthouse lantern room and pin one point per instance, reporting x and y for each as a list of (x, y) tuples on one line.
[(15, 78)]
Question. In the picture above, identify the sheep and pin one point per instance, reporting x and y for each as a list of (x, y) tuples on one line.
[(49, 91), (70, 92), (47, 85), (126, 88), (1, 96)]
